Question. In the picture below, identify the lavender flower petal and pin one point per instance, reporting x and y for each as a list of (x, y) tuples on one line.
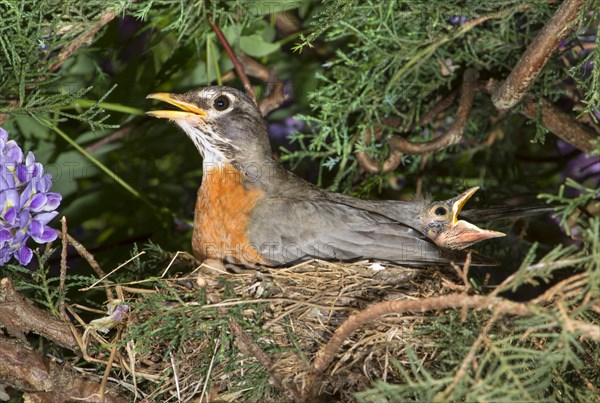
[(47, 235), (24, 255), (5, 235)]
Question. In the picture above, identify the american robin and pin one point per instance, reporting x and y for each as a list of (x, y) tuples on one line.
[(250, 210)]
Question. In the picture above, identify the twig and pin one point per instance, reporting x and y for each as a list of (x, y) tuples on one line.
[(249, 347), (113, 271), (399, 145), (111, 359), (327, 352), (464, 272), (83, 252), (562, 124), (522, 76), (116, 135), (26, 370), (419, 184), (276, 96), (19, 316), (454, 134), (438, 108), (236, 63), (105, 18), (287, 23), (63, 269)]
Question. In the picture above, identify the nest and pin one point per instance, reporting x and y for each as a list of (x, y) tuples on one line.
[(254, 334)]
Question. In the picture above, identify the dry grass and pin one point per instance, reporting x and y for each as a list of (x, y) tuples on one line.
[(297, 310)]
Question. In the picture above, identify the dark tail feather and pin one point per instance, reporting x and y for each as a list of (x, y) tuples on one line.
[(503, 212)]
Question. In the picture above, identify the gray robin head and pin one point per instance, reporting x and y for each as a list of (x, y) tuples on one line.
[(225, 124)]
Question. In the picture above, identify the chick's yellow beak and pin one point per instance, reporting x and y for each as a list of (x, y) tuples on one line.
[(460, 201), (188, 111), (462, 233)]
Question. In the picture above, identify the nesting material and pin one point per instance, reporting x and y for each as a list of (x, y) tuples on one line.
[(287, 313)]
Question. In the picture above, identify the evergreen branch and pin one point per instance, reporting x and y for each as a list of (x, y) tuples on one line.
[(105, 18), (515, 87), (464, 365)]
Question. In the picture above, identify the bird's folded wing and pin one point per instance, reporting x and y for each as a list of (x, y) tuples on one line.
[(287, 230)]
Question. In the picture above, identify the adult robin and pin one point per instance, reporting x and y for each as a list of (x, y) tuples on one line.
[(250, 210)]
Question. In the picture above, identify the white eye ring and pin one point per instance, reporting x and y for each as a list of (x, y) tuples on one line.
[(440, 211)]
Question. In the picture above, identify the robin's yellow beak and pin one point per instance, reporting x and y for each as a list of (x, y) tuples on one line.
[(189, 111)]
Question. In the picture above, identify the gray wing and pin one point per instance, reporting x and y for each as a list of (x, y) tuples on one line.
[(288, 230)]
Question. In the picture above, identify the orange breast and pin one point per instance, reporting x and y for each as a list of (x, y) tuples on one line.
[(221, 217)]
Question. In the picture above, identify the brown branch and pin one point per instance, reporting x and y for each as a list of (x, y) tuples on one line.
[(116, 135), (19, 316), (399, 145), (392, 161), (276, 96), (105, 18), (247, 346), (522, 76), (83, 252), (45, 380), (63, 268), (454, 134), (438, 108), (287, 23), (236, 63), (562, 124), (327, 352)]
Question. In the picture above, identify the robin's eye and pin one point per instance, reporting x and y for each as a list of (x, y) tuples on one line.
[(440, 211), (221, 103)]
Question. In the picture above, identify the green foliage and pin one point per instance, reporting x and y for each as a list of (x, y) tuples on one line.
[(32, 37), (396, 58)]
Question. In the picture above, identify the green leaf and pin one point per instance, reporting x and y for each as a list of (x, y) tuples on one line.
[(254, 45), (265, 7)]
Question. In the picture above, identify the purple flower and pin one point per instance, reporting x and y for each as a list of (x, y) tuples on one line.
[(26, 204), (288, 127), (458, 19)]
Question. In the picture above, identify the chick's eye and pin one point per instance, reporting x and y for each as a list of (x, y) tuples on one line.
[(440, 211), (221, 103)]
